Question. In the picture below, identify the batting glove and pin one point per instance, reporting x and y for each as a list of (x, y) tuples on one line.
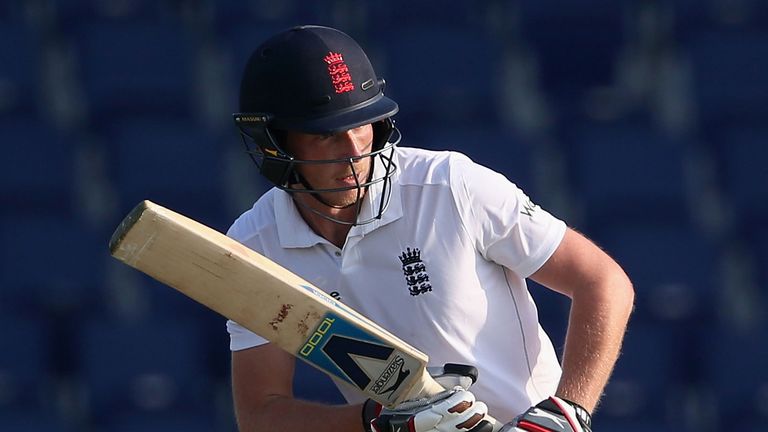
[(552, 415), (453, 410), (449, 411)]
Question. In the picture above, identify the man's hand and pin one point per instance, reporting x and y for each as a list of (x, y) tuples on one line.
[(450, 411), (552, 415), (453, 410)]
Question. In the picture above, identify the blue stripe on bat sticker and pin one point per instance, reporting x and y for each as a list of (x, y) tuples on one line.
[(326, 298), (339, 348)]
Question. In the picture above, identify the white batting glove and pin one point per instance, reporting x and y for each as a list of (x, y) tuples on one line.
[(552, 415), (449, 411)]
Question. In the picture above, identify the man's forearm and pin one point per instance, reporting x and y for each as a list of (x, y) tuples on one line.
[(287, 414), (596, 327)]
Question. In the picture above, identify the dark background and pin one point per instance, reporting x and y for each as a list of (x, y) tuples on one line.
[(641, 123)]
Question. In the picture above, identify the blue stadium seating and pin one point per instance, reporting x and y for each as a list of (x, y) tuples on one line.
[(456, 14), (25, 365), (19, 69), (50, 264), (576, 43), (286, 13), (646, 370), (743, 158), (161, 422), (622, 425), (627, 171), (135, 67), (760, 250), (162, 300), (37, 170), (673, 268), (172, 162), (439, 74), (730, 83), (734, 369), (34, 421), (151, 365), (11, 11), (695, 16), (69, 14)]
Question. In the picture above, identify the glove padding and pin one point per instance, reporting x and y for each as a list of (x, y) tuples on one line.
[(449, 411), (442, 412), (552, 415)]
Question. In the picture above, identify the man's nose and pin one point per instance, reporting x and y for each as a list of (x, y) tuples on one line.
[(350, 144)]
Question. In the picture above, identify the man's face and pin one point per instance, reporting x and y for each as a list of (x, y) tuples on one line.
[(341, 145)]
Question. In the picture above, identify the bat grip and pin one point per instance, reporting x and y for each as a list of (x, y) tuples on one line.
[(431, 387)]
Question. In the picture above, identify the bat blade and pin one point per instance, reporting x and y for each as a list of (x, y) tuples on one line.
[(271, 301)]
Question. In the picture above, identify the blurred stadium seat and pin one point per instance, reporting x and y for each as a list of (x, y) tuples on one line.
[(135, 67), (734, 368), (730, 83), (11, 10), (50, 264), (760, 250), (19, 74), (627, 172), (70, 14), (26, 369), (673, 268), (34, 421), (175, 163), (152, 365), (743, 157), (161, 422), (576, 43), (37, 170), (161, 300), (622, 425), (286, 13), (442, 75), (454, 14), (645, 378), (694, 16)]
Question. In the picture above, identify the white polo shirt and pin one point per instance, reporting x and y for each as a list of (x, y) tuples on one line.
[(444, 270)]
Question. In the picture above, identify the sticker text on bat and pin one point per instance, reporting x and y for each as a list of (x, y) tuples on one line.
[(317, 336)]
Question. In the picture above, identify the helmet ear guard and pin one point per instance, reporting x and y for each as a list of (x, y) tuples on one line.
[(274, 163), (382, 132)]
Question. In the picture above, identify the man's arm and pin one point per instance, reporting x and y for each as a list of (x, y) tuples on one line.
[(601, 302), (263, 397)]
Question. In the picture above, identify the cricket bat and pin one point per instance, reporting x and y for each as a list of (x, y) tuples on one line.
[(273, 302)]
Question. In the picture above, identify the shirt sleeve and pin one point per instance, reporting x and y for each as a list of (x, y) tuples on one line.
[(241, 338), (507, 226)]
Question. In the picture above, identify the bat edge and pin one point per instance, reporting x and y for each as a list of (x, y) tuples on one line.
[(126, 224)]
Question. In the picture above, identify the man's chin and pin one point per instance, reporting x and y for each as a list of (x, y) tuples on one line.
[(348, 199)]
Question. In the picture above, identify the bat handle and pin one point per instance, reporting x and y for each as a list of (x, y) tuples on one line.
[(432, 387), (497, 425)]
